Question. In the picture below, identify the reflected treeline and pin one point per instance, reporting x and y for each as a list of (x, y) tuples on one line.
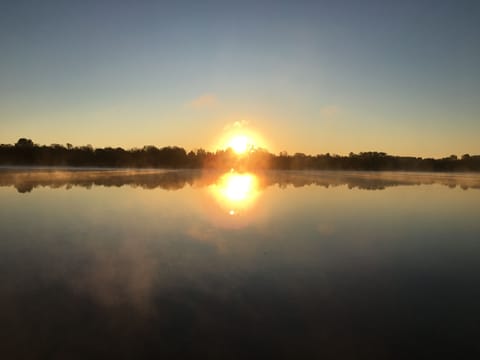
[(369, 180), (28, 179), (26, 153), (25, 180)]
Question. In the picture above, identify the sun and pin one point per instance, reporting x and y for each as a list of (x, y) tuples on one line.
[(240, 144), (241, 141)]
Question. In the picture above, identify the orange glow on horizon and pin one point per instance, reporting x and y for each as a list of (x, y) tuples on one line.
[(241, 144), (241, 141)]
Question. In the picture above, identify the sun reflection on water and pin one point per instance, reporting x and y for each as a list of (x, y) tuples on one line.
[(236, 192)]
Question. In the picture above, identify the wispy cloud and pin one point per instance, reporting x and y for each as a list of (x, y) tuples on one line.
[(236, 125), (205, 101)]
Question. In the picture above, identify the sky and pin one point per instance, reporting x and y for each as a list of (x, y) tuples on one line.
[(340, 76)]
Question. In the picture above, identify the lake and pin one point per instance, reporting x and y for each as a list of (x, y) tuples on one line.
[(202, 264)]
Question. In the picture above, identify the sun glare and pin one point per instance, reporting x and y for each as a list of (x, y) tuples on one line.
[(241, 140), (240, 144)]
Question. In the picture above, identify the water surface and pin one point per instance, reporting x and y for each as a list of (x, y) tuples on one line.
[(192, 264)]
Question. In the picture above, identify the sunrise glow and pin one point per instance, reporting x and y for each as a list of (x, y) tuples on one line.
[(240, 144), (241, 141)]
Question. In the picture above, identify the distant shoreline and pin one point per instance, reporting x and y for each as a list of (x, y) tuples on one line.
[(25, 153), (159, 170)]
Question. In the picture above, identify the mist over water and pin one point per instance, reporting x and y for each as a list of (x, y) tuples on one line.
[(202, 264)]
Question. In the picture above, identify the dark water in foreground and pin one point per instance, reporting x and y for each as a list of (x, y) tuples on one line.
[(125, 264)]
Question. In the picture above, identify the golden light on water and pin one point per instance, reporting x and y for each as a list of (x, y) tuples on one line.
[(236, 187), (236, 192)]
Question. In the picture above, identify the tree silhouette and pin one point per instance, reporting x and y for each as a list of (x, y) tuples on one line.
[(25, 152)]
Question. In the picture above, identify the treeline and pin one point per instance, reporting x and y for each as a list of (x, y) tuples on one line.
[(25, 153)]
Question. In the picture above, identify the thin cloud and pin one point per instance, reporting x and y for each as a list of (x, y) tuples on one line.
[(236, 125), (205, 101)]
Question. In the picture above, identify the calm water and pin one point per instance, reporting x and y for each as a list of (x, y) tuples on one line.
[(125, 264)]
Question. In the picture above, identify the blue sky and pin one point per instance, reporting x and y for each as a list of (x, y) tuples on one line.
[(311, 76)]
